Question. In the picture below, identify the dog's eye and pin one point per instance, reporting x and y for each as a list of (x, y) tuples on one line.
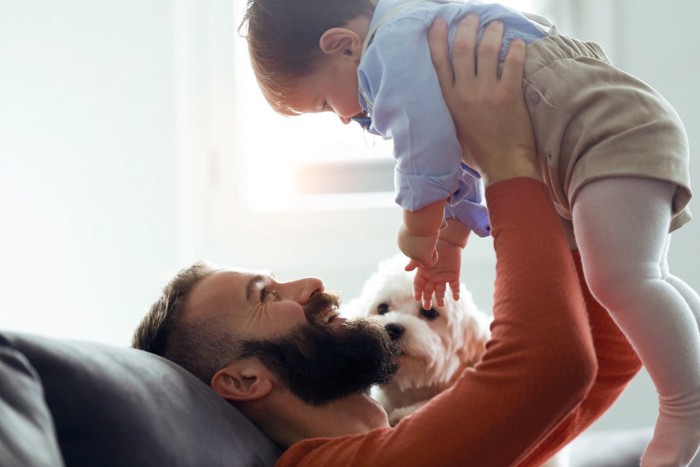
[(430, 314), (382, 308)]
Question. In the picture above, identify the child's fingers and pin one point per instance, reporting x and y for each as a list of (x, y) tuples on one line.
[(412, 264), (428, 291), (440, 294), (439, 301), (454, 287), (418, 286)]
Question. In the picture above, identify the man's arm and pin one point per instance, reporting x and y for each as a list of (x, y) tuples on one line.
[(618, 363), (538, 366)]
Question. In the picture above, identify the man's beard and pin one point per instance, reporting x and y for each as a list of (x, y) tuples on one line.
[(321, 363)]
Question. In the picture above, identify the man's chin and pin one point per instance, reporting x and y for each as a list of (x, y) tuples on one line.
[(331, 359)]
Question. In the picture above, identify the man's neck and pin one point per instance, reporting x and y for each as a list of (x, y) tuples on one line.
[(294, 420)]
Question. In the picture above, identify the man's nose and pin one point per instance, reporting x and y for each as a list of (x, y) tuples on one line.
[(345, 120), (303, 289)]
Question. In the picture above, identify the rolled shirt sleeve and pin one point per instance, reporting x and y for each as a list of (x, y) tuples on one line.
[(401, 92)]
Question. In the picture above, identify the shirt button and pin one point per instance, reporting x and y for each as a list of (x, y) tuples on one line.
[(534, 97)]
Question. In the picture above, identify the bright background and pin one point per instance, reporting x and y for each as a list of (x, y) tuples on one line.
[(134, 141)]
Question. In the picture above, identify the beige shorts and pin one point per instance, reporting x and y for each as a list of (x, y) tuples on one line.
[(594, 121)]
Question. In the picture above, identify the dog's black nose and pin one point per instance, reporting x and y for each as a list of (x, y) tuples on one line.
[(395, 331)]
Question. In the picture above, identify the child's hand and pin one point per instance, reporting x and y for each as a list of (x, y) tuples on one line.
[(435, 280), (421, 249)]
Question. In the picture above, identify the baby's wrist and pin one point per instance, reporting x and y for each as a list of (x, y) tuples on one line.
[(451, 242), (455, 233)]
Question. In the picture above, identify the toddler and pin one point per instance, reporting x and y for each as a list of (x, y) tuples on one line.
[(612, 151)]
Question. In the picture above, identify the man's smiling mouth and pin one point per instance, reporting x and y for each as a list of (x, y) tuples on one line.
[(332, 317)]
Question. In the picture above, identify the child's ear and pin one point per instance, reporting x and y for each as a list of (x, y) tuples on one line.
[(242, 381), (341, 41)]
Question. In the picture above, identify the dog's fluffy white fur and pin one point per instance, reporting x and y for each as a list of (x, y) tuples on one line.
[(435, 344)]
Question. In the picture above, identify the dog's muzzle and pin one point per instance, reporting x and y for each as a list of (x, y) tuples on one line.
[(395, 331)]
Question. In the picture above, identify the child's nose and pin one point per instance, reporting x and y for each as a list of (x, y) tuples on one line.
[(345, 120)]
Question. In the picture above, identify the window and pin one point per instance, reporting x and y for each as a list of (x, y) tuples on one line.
[(250, 191), (313, 161)]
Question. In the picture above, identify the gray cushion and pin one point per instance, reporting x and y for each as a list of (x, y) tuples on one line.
[(27, 435), (116, 406)]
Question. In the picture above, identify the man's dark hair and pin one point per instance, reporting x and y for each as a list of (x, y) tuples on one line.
[(200, 346)]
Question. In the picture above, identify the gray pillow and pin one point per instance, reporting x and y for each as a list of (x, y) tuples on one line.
[(27, 435), (117, 406)]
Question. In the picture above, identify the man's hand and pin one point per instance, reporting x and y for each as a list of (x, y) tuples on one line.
[(492, 122)]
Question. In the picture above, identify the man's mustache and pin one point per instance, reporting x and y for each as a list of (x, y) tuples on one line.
[(319, 303)]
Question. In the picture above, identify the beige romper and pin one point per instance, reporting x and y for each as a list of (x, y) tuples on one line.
[(594, 121)]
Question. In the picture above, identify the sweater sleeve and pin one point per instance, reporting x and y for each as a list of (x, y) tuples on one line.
[(537, 368), (618, 363)]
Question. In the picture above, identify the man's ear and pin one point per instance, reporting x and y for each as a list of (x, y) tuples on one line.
[(241, 381), (341, 41)]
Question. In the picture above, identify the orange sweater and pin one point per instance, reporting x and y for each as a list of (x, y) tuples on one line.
[(530, 393), (618, 363)]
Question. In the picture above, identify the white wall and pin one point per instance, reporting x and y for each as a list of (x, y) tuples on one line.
[(87, 173), (117, 132)]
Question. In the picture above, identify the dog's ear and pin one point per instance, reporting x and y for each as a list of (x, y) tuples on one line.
[(473, 325), (474, 347)]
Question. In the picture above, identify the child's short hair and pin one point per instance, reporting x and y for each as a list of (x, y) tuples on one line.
[(283, 40)]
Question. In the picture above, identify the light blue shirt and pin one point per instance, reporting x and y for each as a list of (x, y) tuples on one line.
[(399, 89)]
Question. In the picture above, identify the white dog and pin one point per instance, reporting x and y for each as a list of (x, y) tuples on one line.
[(435, 344)]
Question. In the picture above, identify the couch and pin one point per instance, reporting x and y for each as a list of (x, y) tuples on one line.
[(77, 403)]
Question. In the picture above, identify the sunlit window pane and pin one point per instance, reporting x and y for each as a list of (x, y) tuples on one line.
[(274, 149)]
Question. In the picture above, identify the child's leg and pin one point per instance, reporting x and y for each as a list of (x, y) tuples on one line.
[(621, 227), (689, 295)]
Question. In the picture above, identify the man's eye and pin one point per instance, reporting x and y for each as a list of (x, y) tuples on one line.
[(264, 293)]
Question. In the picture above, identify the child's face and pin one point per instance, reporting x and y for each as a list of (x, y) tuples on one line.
[(332, 87)]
